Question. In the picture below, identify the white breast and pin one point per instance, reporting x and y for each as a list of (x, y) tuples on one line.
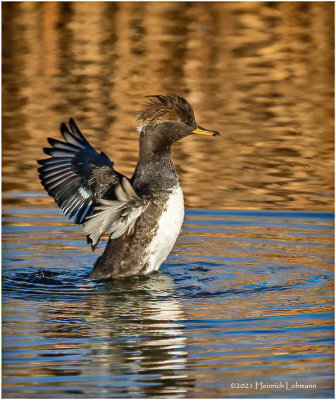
[(169, 227)]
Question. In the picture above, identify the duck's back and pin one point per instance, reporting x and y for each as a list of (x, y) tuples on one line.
[(143, 214), (147, 246)]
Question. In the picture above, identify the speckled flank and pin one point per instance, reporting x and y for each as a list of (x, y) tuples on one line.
[(169, 227), (144, 213)]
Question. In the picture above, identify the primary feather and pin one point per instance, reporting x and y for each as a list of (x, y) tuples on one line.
[(76, 175)]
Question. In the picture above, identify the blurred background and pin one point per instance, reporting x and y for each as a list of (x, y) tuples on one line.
[(247, 293), (261, 73)]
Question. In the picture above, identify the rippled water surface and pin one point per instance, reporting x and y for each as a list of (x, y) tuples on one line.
[(245, 297), (261, 73)]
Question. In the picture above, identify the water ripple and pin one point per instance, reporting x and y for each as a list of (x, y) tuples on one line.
[(255, 294)]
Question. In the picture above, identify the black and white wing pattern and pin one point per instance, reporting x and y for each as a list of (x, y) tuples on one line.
[(75, 175), (117, 216)]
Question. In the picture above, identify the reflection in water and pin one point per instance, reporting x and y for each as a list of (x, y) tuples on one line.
[(146, 327), (259, 72), (244, 295), (131, 329)]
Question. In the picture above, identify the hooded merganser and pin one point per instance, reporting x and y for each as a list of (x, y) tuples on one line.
[(143, 214)]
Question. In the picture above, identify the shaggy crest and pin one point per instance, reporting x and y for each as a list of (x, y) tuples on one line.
[(165, 108)]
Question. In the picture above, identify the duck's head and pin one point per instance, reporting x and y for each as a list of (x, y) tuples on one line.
[(166, 119)]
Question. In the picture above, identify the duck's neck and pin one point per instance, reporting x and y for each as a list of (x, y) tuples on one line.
[(155, 169)]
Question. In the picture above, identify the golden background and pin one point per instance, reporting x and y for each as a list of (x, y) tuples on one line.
[(260, 73)]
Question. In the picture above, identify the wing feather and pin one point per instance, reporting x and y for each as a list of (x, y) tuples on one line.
[(117, 216), (76, 175)]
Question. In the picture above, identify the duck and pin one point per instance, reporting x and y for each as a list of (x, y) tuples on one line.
[(143, 214)]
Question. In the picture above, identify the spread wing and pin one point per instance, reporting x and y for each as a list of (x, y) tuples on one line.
[(75, 175), (117, 216)]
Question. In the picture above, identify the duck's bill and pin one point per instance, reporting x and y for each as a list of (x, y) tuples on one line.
[(202, 131)]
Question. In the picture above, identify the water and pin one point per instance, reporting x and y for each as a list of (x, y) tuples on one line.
[(245, 297), (261, 73)]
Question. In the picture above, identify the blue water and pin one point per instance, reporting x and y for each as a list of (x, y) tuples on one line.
[(244, 303)]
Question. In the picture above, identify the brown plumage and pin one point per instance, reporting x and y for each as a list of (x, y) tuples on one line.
[(90, 191)]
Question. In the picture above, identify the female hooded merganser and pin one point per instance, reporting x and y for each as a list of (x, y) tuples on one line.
[(143, 214)]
